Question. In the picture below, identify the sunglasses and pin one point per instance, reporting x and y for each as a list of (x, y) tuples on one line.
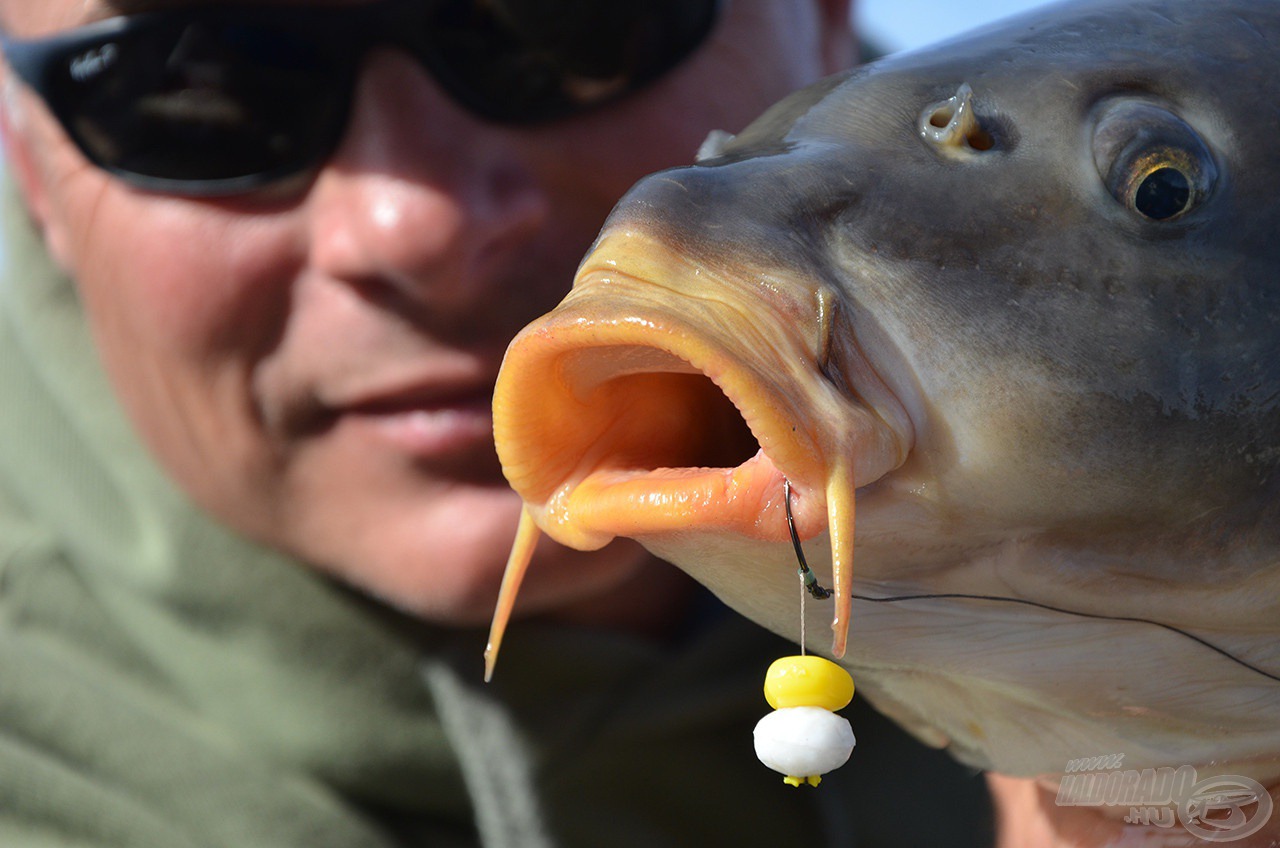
[(225, 100)]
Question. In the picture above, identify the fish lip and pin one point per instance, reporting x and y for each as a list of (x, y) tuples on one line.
[(569, 333), (791, 444)]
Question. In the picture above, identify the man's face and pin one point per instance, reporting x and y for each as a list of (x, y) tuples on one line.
[(313, 363)]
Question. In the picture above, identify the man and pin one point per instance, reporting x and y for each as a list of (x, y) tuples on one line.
[(300, 236), (344, 320)]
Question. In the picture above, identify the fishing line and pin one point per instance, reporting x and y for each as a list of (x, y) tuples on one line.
[(817, 591), (1039, 605), (803, 593)]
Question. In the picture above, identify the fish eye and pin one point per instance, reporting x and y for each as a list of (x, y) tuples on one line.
[(1160, 186), (1151, 161)]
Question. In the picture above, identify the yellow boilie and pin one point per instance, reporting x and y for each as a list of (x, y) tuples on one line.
[(807, 681)]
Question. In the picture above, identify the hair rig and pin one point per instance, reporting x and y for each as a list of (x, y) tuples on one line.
[(803, 738)]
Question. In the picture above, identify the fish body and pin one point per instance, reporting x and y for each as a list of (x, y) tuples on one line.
[(1017, 296)]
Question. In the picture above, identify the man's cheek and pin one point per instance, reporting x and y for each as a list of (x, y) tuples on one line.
[(27, 153)]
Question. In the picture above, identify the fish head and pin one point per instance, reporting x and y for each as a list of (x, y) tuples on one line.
[(1018, 298)]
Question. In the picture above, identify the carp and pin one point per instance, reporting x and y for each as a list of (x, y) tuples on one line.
[(1017, 298)]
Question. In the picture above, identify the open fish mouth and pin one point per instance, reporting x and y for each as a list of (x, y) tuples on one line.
[(665, 406)]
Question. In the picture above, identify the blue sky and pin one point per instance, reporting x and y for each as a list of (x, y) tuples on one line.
[(904, 24)]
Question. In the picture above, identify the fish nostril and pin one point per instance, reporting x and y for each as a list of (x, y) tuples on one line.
[(952, 126), (980, 140)]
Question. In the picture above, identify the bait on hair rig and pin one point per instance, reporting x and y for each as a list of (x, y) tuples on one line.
[(803, 738)]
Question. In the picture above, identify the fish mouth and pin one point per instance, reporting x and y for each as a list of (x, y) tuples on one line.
[(666, 396), (641, 427)]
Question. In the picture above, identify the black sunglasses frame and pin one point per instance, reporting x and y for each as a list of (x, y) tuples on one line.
[(441, 35)]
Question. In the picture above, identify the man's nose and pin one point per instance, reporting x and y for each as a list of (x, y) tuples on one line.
[(421, 197)]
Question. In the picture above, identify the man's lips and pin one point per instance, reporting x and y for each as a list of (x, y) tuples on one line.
[(414, 400), (437, 424), (459, 424)]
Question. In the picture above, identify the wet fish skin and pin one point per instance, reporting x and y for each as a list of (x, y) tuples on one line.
[(1087, 400), (1140, 357)]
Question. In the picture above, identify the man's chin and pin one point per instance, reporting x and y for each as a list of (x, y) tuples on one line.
[(457, 585)]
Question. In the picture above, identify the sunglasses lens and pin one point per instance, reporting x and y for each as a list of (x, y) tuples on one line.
[(223, 100), (534, 60), (207, 103)]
